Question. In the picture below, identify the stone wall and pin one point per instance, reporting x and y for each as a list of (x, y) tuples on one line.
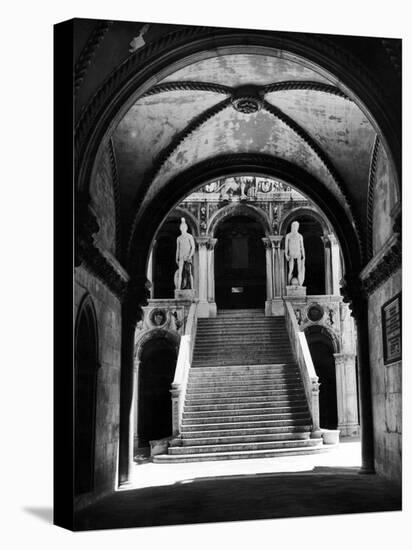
[(386, 381), (385, 198), (103, 203), (108, 313)]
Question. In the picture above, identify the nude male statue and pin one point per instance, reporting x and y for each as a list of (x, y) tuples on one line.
[(185, 248), (294, 250)]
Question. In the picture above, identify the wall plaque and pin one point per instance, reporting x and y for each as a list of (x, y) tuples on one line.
[(391, 313)]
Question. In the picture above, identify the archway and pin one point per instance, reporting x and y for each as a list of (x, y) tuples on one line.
[(239, 264), (156, 372), (322, 349), (86, 365)]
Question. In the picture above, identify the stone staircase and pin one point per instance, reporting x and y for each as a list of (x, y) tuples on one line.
[(245, 397)]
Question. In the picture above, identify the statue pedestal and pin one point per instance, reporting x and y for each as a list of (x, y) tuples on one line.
[(186, 294), (296, 291)]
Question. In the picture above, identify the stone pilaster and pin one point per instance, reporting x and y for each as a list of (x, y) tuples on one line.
[(335, 265), (269, 268), (347, 399), (211, 276), (328, 264), (203, 307), (353, 294)]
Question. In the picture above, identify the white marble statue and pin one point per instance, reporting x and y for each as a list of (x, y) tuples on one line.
[(295, 251), (185, 248)]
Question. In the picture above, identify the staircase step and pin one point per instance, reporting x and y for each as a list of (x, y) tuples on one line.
[(287, 397), (254, 446), (232, 429), (259, 422), (240, 408), (248, 438), (250, 369), (240, 455), (228, 390)]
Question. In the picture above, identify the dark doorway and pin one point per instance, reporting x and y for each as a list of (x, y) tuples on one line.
[(312, 233), (240, 270), (321, 349), (164, 259), (156, 373), (86, 365)]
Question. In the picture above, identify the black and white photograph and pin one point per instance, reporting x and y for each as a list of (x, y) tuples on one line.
[(237, 206), (228, 310)]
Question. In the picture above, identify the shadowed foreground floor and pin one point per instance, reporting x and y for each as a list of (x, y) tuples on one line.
[(323, 491)]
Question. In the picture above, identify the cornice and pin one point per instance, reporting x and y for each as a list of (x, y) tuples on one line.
[(383, 265), (371, 191)]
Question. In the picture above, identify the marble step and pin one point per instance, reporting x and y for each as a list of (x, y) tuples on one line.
[(206, 457), (286, 397), (239, 408), (263, 368), (261, 417), (254, 446), (242, 431), (241, 379), (247, 414), (234, 361), (227, 390), (238, 384), (248, 438)]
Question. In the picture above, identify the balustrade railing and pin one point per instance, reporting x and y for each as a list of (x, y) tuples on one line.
[(184, 361), (307, 370)]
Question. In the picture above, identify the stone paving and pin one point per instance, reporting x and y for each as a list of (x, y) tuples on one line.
[(170, 494)]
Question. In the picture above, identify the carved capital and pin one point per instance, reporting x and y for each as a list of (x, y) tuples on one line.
[(354, 295), (211, 244), (202, 242), (276, 241), (390, 262), (267, 243)]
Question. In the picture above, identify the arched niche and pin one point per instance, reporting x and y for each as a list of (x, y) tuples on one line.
[(232, 210), (156, 354), (322, 346), (85, 390)]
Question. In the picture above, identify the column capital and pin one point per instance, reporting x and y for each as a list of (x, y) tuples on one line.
[(326, 241), (332, 238), (276, 240), (202, 241), (267, 243), (354, 295), (342, 358), (211, 243)]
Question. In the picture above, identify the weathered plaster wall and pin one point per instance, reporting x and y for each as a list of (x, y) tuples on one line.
[(101, 191), (108, 380), (386, 383), (384, 200)]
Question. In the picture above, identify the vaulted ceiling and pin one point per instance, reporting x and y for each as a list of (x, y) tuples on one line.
[(240, 102)]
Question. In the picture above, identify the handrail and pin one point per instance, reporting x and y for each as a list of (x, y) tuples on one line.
[(184, 361), (307, 370)]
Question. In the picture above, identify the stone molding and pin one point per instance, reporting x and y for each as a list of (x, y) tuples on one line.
[(87, 54), (116, 195), (100, 263), (371, 191), (383, 265)]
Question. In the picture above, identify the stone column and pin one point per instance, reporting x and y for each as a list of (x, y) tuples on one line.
[(278, 266), (203, 308), (269, 268), (211, 276), (135, 412), (150, 272), (347, 399), (328, 265), (335, 265), (352, 292)]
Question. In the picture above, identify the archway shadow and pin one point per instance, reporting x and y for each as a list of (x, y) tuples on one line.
[(323, 491)]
